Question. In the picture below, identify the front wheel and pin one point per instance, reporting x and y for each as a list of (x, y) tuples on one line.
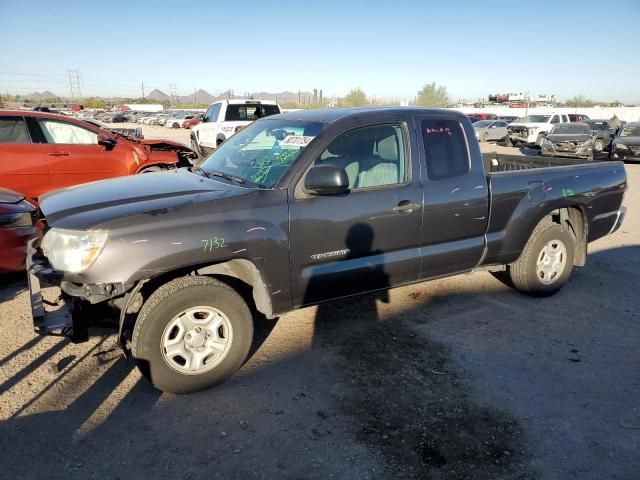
[(546, 261), (598, 146), (191, 334)]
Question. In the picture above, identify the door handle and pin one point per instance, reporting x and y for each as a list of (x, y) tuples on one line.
[(58, 154), (405, 206)]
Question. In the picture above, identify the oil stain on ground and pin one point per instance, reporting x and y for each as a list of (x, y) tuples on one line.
[(409, 402)]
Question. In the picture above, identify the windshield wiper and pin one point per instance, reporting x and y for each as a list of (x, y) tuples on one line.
[(226, 176)]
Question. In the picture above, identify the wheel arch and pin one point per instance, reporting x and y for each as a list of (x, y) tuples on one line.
[(242, 275)]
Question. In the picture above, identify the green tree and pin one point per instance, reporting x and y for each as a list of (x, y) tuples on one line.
[(432, 95), (579, 101), (355, 98), (93, 102)]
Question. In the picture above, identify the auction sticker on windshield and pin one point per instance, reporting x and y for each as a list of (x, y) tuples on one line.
[(296, 141)]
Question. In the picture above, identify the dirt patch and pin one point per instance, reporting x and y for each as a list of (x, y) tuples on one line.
[(411, 403)]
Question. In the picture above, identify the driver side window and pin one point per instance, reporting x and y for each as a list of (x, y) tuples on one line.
[(58, 132), (372, 156)]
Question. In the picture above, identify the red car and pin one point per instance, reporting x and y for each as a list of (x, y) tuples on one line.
[(40, 152), (190, 122), (18, 220)]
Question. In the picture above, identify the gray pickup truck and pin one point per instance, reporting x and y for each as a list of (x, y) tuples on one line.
[(301, 208)]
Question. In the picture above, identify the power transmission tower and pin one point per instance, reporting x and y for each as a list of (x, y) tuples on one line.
[(172, 92), (73, 78)]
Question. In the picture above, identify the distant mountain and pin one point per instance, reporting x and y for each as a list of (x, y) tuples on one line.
[(159, 95), (38, 95)]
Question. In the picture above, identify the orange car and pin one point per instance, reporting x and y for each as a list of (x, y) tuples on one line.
[(40, 152)]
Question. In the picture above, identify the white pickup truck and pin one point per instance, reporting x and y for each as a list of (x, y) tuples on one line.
[(226, 117), (532, 129)]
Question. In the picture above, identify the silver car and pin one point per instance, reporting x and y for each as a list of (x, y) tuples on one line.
[(487, 130)]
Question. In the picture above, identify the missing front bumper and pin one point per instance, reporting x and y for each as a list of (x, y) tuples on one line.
[(50, 317)]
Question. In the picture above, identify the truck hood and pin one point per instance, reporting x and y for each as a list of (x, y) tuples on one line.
[(568, 137), (91, 204)]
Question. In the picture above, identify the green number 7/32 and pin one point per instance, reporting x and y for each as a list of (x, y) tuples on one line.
[(213, 243)]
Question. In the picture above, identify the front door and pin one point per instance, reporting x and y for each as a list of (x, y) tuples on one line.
[(365, 240), (74, 156)]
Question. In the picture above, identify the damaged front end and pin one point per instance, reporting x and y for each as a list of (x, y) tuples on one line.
[(76, 307), (166, 151)]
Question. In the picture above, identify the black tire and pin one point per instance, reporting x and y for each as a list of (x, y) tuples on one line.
[(598, 146), (165, 304), (151, 169), (524, 271), (508, 142)]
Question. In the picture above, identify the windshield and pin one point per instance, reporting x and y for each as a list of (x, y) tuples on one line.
[(597, 125), (535, 119), (630, 131), (261, 153), (568, 129), (483, 123)]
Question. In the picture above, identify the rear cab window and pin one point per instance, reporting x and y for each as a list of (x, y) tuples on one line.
[(14, 130), (445, 146), (249, 111)]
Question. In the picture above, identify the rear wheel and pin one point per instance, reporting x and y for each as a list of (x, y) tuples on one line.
[(546, 261), (191, 334)]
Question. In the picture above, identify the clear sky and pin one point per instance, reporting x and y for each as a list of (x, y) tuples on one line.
[(388, 48)]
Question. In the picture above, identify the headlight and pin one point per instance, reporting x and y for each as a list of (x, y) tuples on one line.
[(13, 220), (73, 250), (621, 146)]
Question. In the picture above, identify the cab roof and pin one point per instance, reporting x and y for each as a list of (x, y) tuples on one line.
[(329, 115)]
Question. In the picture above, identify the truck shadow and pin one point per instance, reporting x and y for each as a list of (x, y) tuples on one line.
[(433, 384)]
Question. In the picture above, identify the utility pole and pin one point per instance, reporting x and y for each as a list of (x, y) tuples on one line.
[(194, 95), (142, 85), (299, 103)]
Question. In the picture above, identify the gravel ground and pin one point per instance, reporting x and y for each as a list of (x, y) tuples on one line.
[(452, 379)]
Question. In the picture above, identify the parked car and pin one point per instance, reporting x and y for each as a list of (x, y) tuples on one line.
[(303, 208), (18, 219), (40, 152), (569, 140), (508, 118), (490, 130), (485, 116), (176, 121), (578, 117), (119, 118), (626, 145), (532, 129), (193, 121), (226, 117), (604, 131)]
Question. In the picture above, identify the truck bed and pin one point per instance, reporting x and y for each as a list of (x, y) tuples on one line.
[(495, 163)]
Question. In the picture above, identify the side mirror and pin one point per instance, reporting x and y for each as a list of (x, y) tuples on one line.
[(106, 142), (327, 180)]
